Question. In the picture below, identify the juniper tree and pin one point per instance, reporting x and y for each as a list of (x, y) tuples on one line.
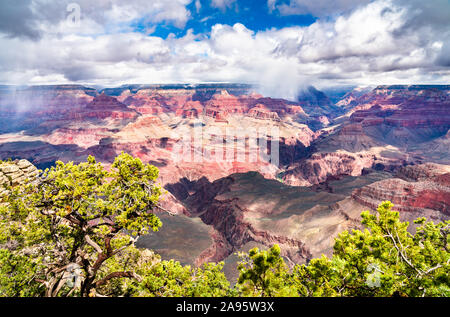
[(65, 226), (384, 259)]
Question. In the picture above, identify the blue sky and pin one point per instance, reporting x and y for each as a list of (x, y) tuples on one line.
[(255, 15), (279, 45)]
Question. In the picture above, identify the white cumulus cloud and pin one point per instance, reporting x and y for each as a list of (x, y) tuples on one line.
[(376, 43)]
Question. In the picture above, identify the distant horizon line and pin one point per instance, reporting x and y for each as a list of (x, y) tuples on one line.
[(199, 84)]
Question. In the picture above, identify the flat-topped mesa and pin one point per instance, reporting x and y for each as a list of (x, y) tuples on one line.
[(409, 114), (104, 107), (210, 88), (106, 102), (67, 87), (40, 108), (49, 91), (16, 172), (396, 94), (413, 89)]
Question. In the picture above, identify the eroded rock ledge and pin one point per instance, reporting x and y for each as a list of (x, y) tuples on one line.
[(13, 173)]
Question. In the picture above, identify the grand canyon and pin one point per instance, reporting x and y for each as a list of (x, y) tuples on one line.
[(338, 155)]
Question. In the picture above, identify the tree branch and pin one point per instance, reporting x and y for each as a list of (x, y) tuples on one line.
[(93, 244), (165, 210), (117, 275)]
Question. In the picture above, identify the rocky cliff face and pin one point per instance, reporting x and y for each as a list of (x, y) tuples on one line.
[(320, 166), (404, 114), (13, 173), (417, 189), (420, 172), (220, 205), (408, 196), (387, 127), (394, 95)]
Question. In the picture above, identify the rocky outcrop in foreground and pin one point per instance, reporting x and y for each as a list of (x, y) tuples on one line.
[(16, 172)]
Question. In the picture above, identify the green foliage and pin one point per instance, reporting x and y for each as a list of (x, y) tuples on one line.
[(76, 217), (383, 260), (320, 278), (8, 160), (171, 279), (264, 273), (16, 275)]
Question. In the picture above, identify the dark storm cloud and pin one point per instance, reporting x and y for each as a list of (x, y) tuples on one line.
[(79, 73), (17, 19), (430, 22), (444, 58), (435, 13), (32, 18)]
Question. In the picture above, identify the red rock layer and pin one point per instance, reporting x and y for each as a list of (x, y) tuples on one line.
[(404, 106), (426, 193), (219, 106), (104, 107)]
